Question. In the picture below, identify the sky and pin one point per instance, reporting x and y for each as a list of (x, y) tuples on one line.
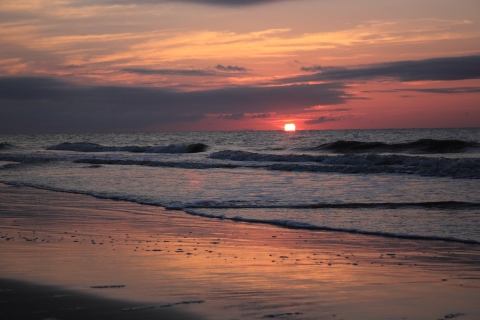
[(77, 66)]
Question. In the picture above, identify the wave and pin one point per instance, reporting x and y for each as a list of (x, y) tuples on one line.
[(94, 147), (361, 163), (5, 145), (465, 168), (236, 155), (27, 159), (420, 146), (148, 163), (457, 171), (292, 224), (213, 204)]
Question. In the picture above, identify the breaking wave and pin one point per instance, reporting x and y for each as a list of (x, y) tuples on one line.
[(361, 163), (94, 147), (5, 145), (292, 224), (264, 157), (463, 168), (430, 146), (148, 163)]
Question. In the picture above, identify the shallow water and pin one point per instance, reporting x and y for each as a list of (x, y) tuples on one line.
[(148, 256)]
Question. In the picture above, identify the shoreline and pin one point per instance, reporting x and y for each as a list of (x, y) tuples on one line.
[(290, 224), (240, 270)]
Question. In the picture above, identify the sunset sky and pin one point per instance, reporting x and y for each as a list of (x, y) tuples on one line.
[(184, 65)]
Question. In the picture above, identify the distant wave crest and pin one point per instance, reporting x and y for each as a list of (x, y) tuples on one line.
[(94, 147), (362, 163), (460, 168), (430, 146), (237, 155), (148, 163), (5, 145)]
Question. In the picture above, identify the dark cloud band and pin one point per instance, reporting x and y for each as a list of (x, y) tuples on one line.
[(49, 105), (235, 116), (438, 69), (229, 2), (322, 119), (230, 68), (454, 90), (222, 3), (458, 90)]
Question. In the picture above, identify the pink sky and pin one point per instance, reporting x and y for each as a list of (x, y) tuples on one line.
[(144, 65)]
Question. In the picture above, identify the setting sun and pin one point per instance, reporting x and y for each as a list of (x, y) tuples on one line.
[(289, 127)]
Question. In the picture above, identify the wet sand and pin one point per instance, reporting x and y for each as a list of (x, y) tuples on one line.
[(116, 258), (23, 300)]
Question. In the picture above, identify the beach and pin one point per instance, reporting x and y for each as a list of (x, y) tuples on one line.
[(124, 260), (238, 160)]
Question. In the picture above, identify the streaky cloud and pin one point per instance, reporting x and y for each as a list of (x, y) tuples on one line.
[(338, 109), (445, 90), (437, 69), (321, 109), (221, 3), (453, 90), (261, 116), (230, 68), (321, 119), (312, 68), (170, 72), (235, 116), (230, 3)]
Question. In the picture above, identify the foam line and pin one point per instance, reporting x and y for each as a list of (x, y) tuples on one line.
[(292, 224)]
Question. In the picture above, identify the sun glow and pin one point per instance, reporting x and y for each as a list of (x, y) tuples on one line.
[(289, 127)]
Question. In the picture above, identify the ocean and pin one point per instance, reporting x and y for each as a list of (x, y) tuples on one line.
[(409, 183)]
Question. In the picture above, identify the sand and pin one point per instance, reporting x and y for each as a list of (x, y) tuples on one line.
[(68, 256), (23, 300)]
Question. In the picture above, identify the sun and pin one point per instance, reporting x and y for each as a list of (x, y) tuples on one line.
[(289, 127)]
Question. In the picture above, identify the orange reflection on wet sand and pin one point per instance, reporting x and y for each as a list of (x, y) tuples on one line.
[(240, 270)]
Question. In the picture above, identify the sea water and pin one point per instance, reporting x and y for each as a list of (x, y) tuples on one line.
[(411, 183)]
